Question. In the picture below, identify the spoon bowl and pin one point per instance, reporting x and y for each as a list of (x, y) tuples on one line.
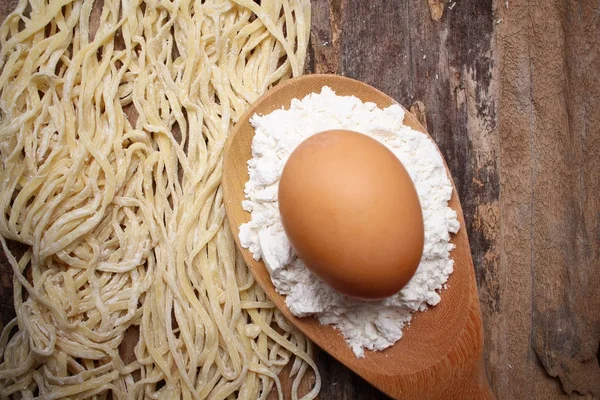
[(440, 353)]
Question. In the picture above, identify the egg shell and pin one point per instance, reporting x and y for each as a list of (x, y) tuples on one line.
[(352, 213)]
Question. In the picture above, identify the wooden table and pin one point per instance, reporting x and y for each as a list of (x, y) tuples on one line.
[(510, 90)]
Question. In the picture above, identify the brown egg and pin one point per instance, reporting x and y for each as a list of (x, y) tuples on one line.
[(352, 214)]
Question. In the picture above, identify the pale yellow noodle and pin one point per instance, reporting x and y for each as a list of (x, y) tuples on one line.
[(113, 123)]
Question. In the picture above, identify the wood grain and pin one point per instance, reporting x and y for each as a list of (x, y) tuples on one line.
[(512, 96), (549, 115)]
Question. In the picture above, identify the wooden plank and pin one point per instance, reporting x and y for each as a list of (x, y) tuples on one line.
[(549, 135)]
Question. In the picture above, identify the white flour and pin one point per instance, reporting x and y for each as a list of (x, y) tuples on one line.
[(364, 324)]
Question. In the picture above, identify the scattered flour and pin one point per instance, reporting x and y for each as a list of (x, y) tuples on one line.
[(372, 325)]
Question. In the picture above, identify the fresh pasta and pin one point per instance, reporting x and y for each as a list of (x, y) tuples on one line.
[(114, 116)]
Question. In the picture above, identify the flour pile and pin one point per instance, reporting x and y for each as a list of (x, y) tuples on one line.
[(372, 325)]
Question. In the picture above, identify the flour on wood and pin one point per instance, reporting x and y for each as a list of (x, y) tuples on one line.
[(372, 325)]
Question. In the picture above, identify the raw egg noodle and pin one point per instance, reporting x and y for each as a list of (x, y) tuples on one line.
[(113, 121)]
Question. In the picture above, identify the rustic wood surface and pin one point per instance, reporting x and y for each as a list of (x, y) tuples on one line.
[(510, 91)]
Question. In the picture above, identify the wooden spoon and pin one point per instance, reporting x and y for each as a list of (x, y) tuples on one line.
[(440, 354)]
